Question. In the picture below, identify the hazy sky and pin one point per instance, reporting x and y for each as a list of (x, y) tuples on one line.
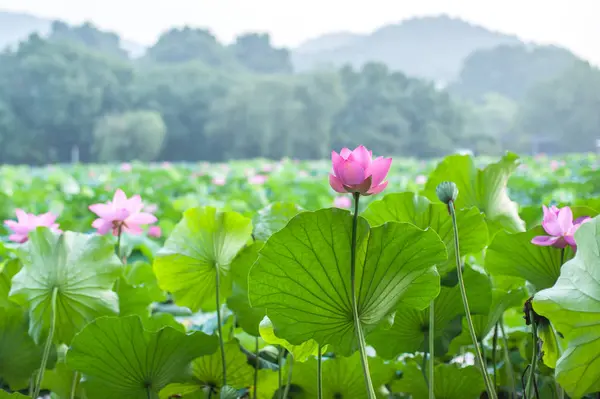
[(573, 24)]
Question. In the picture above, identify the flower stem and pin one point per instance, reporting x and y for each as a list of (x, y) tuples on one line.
[(530, 390), (219, 324), (431, 349), (256, 365), (463, 292), (319, 373), (494, 345), (74, 384), (48, 346), (286, 391), (362, 345), (507, 362), (279, 372)]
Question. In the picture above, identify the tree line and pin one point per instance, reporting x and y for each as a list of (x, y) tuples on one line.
[(191, 98)]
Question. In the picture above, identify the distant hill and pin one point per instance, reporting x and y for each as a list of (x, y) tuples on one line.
[(429, 47), (15, 27)]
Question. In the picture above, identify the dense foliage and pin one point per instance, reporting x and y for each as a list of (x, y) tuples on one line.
[(260, 237), (220, 102)]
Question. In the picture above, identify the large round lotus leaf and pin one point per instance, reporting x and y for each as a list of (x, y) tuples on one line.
[(409, 332), (451, 382), (203, 242), (482, 188), (573, 306), (418, 210), (273, 218), (343, 377), (515, 255), (138, 289), (15, 395), (81, 268), (19, 355), (247, 317), (8, 269), (300, 352), (207, 374), (302, 276), (121, 360)]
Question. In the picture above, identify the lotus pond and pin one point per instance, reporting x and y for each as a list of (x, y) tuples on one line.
[(256, 279)]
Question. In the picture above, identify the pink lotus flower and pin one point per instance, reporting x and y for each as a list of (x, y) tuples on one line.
[(257, 179), (342, 202), (121, 215), (559, 225), (126, 167), (356, 172), (27, 222), (154, 231), (219, 181)]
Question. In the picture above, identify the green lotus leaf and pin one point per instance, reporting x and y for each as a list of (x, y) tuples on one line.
[(342, 377), (247, 317), (203, 242), (482, 188), (19, 355), (451, 382), (207, 374), (138, 289), (8, 269), (301, 352), (418, 210), (273, 218), (573, 306), (515, 255), (409, 332), (80, 268), (121, 360), (60, 379), (14, 395), (302, 276)]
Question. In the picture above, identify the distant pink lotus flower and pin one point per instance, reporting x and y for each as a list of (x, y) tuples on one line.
[(356, 171), (165, 165), (303, 173), (554, 165), (219, 181), (342, 202), (121, 215), (421, 179), (126, 167), (257, 179), (27, 222), (559, 225), (268, 167), (155, 231)]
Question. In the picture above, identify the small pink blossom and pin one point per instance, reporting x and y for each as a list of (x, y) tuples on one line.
[(155, 231), (357, 172), (121, 215), (166, 165), (126, 167), (421, 179), (257, 179), (27, 222), (559, 225), (342, 202), (219, 181), (554, 165)]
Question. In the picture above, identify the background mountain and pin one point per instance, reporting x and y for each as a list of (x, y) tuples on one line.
[(428, 47), (16, 27)]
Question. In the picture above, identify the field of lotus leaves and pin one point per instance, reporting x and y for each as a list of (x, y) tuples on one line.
[(463, 278)]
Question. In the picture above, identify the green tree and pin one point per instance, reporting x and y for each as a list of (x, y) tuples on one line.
[(90, 36), (509, 70), (131, 135), (564, 110), (187, 44), (255, 52)]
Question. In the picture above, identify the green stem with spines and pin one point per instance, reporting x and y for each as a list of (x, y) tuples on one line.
[(48, 346), (431, 337), (74, 385), (507, 362), (219, 324), (494, 345), (280, 372), (319, 373), (290, 361), (256, 365), (362, 345), (530, 391), (463, 292)]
